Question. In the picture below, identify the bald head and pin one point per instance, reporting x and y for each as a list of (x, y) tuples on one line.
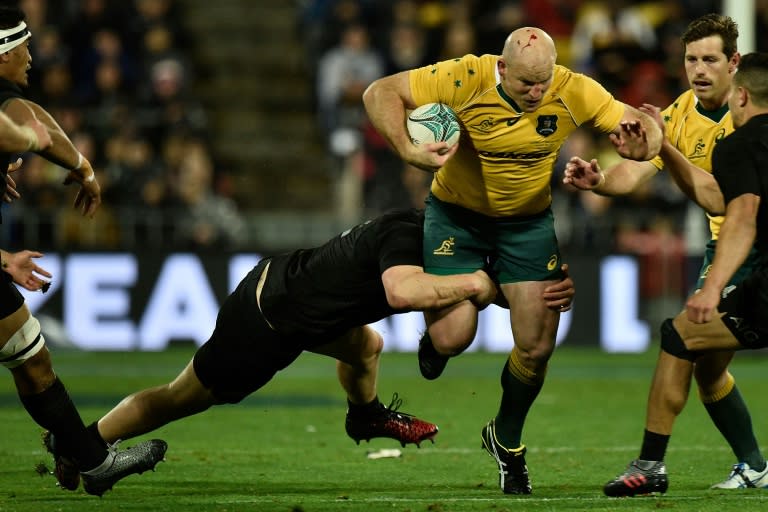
[(530, 46), (526, 66)]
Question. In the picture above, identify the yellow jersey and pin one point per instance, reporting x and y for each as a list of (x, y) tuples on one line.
[(505, 160), (695, 132)]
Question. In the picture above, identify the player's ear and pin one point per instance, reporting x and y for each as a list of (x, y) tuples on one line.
[(733, 64), (743, 96)]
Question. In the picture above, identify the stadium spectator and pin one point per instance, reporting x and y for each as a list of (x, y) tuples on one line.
[(721, 316), (22, 346), (203, 219), (694, 123), (491, 192), (343, 74)]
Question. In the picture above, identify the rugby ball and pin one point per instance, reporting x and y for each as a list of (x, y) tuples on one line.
[(433, 122)]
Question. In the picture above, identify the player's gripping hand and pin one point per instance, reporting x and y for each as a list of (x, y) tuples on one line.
[(702, 305), (559, 296), (582, 174), (487, 293), (430, 156), (631, 141)]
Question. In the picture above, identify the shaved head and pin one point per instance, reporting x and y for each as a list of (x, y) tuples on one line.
[(526, 66), (530, 46)]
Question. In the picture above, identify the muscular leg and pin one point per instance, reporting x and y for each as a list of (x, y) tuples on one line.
[(452, 329), (152, 408), (357, 354), (681, 342), (46, 399), (726, 407), (534, 327)]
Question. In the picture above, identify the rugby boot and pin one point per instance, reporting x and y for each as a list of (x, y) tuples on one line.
[(119, 464), (513, 472), (640, 477), (389, 422)]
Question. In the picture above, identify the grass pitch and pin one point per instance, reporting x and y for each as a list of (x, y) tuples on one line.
[(284, 448)]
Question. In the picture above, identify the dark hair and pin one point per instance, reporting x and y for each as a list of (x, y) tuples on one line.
[(10, 15), (713, 25), (753, 76)]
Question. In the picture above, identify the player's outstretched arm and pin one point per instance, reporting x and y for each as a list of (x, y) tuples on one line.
[(409, 288), (737, 236), (696, 183), (28, 135), (618, 179), (61, 152)]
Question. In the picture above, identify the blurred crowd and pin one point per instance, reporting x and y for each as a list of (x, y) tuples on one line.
[(116, 75), (631, 47)]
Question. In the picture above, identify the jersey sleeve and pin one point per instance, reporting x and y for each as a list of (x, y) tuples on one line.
[(451, 82), (734, 169), (400, 244), (590, 102)]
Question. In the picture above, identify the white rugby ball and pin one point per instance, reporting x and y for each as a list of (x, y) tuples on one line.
[(433, 122)]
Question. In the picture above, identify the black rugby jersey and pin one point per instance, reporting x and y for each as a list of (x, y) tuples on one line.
[(325, 291), (740, 166)]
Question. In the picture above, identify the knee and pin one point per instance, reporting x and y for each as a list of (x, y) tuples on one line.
[(374, 346), (673, 344), (369, 349), (450, 342), (535, 356)]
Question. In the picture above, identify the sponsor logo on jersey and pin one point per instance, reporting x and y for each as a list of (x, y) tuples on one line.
[(546, 125), (486, 125), (744, 331), (552, 263), (446, 248), (510, 155), (720, 135)]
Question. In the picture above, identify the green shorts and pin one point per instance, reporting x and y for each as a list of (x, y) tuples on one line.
[(751, 263), (457, 241)]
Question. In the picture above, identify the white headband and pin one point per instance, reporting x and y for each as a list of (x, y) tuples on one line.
[(10, 38)]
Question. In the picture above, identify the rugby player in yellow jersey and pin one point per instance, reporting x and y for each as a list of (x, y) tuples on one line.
[(694, 124), (489, 205)]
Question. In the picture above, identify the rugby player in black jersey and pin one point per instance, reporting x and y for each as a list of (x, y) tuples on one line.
[(319, 300), (22, 345)]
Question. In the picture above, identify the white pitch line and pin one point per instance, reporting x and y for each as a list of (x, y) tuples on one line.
[(283, 498)]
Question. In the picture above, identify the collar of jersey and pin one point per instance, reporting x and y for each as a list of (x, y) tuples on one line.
[(509, 100), (715, 115)]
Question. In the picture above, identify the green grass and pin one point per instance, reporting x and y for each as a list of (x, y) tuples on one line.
[(284, 448)]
